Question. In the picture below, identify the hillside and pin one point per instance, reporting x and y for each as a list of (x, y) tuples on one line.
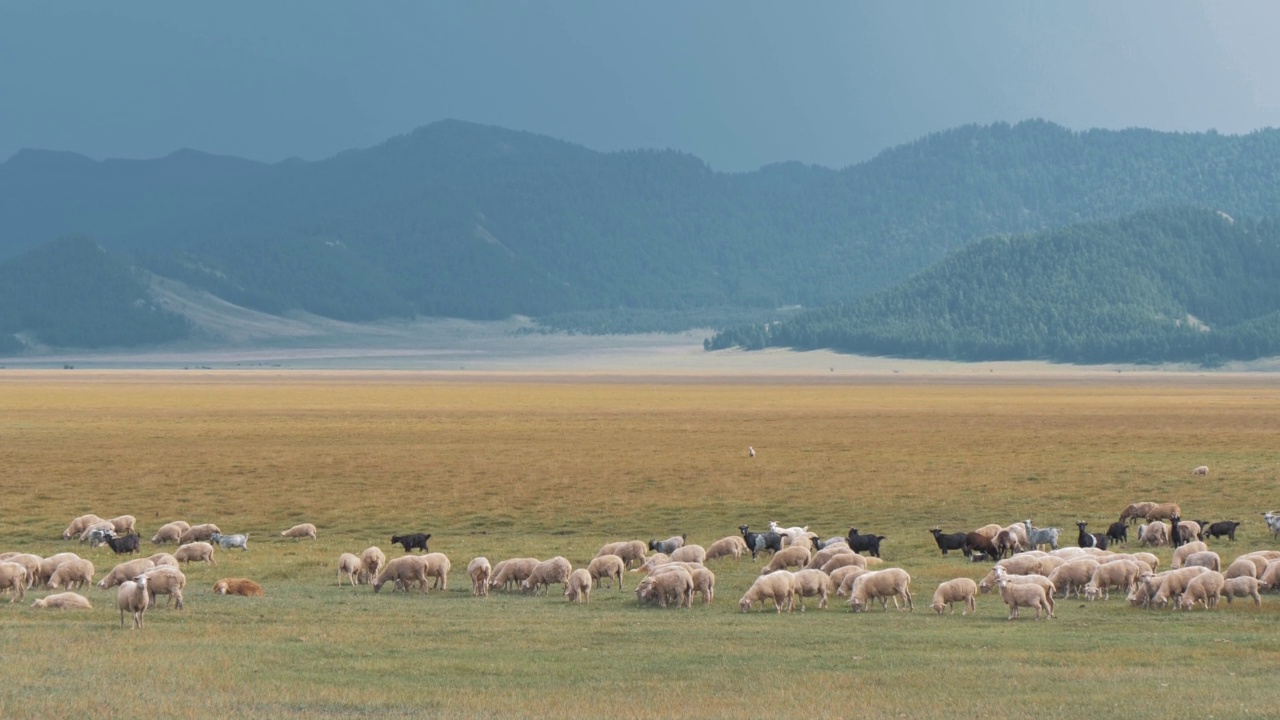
[(1173, 285)]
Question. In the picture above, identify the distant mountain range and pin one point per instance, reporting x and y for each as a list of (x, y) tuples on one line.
[(462, 220)]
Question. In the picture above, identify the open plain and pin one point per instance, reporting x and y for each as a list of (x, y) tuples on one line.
[(509, 465)]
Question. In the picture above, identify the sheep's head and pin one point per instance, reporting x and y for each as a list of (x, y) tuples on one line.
[(939, 607), (220, 587), (1092, 592)]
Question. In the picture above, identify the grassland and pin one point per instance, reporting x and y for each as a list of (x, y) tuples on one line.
[(506, 466)]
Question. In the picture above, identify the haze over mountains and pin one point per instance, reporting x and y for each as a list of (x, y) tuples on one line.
[(463, 220)]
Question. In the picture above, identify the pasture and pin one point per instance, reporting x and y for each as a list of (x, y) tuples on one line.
[(506, 466)]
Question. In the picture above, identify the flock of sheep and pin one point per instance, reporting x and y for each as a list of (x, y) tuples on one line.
[(1029, 568)]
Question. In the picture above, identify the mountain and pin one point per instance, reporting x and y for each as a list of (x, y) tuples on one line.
[(1185, 285)]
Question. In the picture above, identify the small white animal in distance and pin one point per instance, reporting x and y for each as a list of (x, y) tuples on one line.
[(751, 452)]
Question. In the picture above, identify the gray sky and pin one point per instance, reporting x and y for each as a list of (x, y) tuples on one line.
[(737, 83)]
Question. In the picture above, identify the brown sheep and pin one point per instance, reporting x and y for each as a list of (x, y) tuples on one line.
[(238, 586), (1164, 511), (371, 562)]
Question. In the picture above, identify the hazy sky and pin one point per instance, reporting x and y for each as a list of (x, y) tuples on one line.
[(738, 83)]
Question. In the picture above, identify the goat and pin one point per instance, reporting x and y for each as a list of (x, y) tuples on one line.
[(1118, 532), (1042, 536), (1087, 539), (954, 541), (416, 540), (979, 547), (759, 542), (124, 544), (869, 543), (1226, 527)]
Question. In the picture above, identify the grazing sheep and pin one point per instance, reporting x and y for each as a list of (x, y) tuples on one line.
[(555, 570), (1153, 534), (1073, 576), (812, 583), (1269, 578), (578, 587), (689, 553), (404, 571), (789, 535), (72, 574), (1225, 527), (79, 524), (1020, 595), (864, 543), (760, 542), (124, 571), (631, 551), (164, 558), (1173, 585), (959, 590), (479, 571), (821, 557), (124, 545), (437, 567), (668, 567), (132, 598), (123, 524), (1164, 511), (305, 530), (1136, 511), (674, 585), (1039, 581), (606, 566), (165, 580), (350, 565), (652, 562), (1241, 567), (1260, 558), (513, 572), (1180, 555), (1039, 537), (410, 542), (170, 533), (238, 586), (842, 579), (848, 559), (49, 564), (1243, 586), (954, 541), (1205, 588), (196, 551), (228, 542), (669, 545), (1119, 575), (731, 546), (795, 556), (199, 533), (704, 583), (1148, 559), (31, 563), (1204, 558), (64, 601), (97, 532), (778, 587), (371, 562), (880, 584), (13, 575), (1202, 470)]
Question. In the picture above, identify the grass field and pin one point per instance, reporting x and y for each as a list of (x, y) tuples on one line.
[(509, 466)]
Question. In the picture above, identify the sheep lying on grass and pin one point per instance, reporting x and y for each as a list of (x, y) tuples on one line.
[(606, 566), (578, 587), (132, 598), (304, 530), (63, 601), (879, 585), (238, 586), (479, 571), (778, 587), (959, 590), (349, 565)]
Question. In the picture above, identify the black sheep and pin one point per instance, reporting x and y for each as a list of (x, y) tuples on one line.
[(865, 543), (954, 541), (416, 540)]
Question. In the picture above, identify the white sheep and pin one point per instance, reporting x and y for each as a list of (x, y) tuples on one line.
[(960, 590), (1202, 470), (842, 579), (132, 598), (1073, 576), (195, 552), (512, 571), (821, 557), (793, 533), (1243, 586), (1269, 578), (578, 587), (124, 571), (371, 562), (72, 574), (1205, 588), (1153, 534), (479, 571), (13, 575), (653, 561), (796, 556), (545, 573), (51, 563), (78, 525), (1173, 584), (63, 601), (1149, 559), (1182, 552), (704, 583), (1020, 595), (1204, 558), (631, 551), (841, 560), (305, 530), (729, 546), (31, 563), (676, 584), (404, 572), (1119, 574), (778, 587), (1260, 558), (437, 567), (881, 584), (606, 566), (689, 553), (989, 530), (349, 564), (164, 558), (1241, 567), (812, 583), (123, 525), (170, 532), (199, 533), (165, 580)]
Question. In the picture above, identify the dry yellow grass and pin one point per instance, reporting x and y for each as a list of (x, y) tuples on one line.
[(505, 466)]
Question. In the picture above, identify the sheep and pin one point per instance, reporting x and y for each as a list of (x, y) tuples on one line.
[(371, 562), (674, 585), (78, 525), (1037, 537), (132, 598), (881, 584), (812, 583), (1017, 565), (513, 571), (1242, 587), (578, 587), (1153, 534), (1118, 532), (125, 545), (1241, 567), (1090, 540), (1136, 511), (731, 546), (779, 587), (1148, 559), (50, 564), (606, 566), (72, 573), (479, 571), (13, 575), (1202, 470), (403, 571), (1047, 564), (821, 557), (760, 542), (1204, 558), (304, 530), (689, 553), (123, 524), (1019, 531), (864, 543), (1173, 584), (199, 533), (794, 556), (652, 562), (228, 542), (1260, 558), (790, 535), (98, 530), (555, 570), (1205, 588), (63, 601), (437, 567), (196, 551), (1006, 544), (842, 579), (1269, 578), (1225, 527), (170, 532), (631, 551), (959, 590), (669, 545), (30, 563), (668, 567), (1189, 530), (989, 530), (843, 560), (704, 582), (124, 571), (1180, 555), (979, 546), (954, 541), (410, 542), (350, 565), (1020, 595), (238, 586), (1120, 575), (165, 580), (1073, 576), (164, 558), (1039, 581), (1163, 511)]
